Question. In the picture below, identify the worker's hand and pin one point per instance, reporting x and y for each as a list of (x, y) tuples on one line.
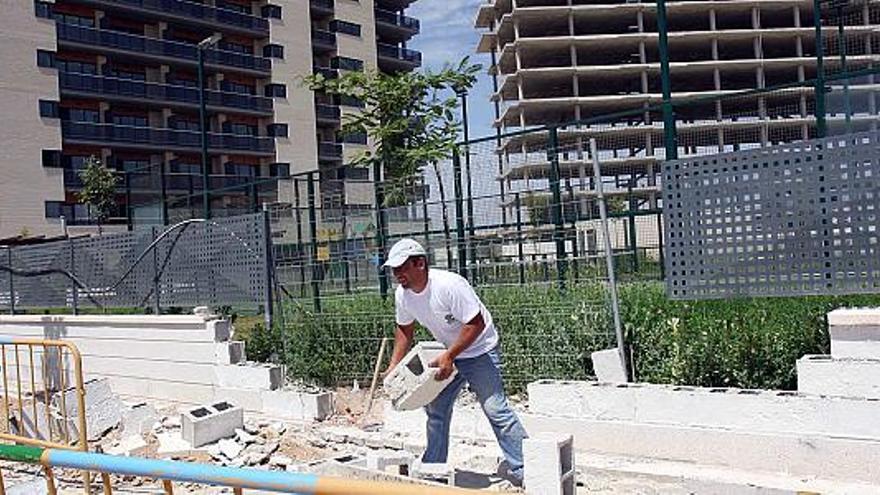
[(444, 366)]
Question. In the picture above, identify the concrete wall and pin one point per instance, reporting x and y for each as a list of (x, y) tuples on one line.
[(25, 134)]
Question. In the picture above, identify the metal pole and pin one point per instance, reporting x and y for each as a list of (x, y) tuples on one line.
[(11, 281), (73, 286), (157, 298), (203, 125), (164, 193), (267, 246), (519, 240), (381, 229), (660, 242), (470, 190), (669, 131), (609, 261), (128, 220), (820, 70), (459, 214), (556, 207), (313, 233), (841, 44), (299, 238)]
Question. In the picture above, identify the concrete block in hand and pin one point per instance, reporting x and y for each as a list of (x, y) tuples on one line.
[(208, 424), (411, 384), (549, 464)]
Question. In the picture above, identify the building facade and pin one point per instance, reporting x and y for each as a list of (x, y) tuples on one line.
[(561, 61), (119, 80)]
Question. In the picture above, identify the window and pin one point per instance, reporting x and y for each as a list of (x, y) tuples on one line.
[(133, 165), (240, 169), (235, 87), (350, 101), (236, 47), (240, 129), (45, 58), (182, 81), (130, 120), (354, 138), (279, 169), (178, 167), (57, 209), (74, 162), (357, 173), (277, 130), (244, 9), (75, 20), (43, 9), (275, 90), (49, 109), (346, 63), (52, 158), (75, 67), (273, 51), (126, 74), (80, 115), (184, 124), (345, 27), (271, 11)]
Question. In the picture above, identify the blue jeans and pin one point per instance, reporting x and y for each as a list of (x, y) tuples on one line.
[(483, 373)]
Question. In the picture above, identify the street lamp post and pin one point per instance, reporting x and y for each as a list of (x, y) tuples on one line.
[(204, 45)]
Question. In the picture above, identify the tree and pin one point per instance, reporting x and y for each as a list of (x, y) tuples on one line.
[(410, 118), (99, 189)]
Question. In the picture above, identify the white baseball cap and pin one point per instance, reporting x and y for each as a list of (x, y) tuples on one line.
[(402, 250)]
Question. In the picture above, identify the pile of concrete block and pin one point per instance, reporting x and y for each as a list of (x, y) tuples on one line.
[(853, 367), (411, 384)]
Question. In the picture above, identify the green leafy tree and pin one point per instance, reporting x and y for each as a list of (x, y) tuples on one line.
[(410, 118), (99, 189)]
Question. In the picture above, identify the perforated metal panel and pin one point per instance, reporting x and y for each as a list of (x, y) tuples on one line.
[(796, 219), (218, 263)]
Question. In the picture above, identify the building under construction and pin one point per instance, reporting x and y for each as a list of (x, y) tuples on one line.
[(555, 62)]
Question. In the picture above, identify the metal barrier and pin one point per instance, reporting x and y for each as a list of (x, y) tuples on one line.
[(38, 412), (236, 478)]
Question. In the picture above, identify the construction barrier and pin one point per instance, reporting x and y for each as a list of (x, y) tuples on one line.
[(42, 385), (207, 474)]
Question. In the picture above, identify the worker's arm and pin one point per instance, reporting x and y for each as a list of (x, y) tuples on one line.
[(469, 333), (403, 340)]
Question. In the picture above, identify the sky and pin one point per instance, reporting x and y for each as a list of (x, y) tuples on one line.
[(448, 35)]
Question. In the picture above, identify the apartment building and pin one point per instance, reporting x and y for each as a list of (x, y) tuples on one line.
[(119, 80), (559, 61)]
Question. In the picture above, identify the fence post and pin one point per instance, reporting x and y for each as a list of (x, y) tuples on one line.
[(556, 207), (381, 229), (267, 253), (313, 233), (11, 281), (660, 244), (669, 131), (459, 215), (820, 70), (345, 267), (519, 240), (633, 238), (609, 259), (299, 238), (128, 220), (157, 302), (73, 286)]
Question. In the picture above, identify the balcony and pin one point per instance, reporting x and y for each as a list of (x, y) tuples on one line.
[(327, 72), (163, 139), (395, 58), (190, 12), (321, 7), (329, 152), (156, 49), (395, 26), (327, 114), (142, 92), (323, 41)]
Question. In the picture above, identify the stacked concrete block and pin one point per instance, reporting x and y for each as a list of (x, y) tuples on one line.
[(411, 384), (438, 472), (608, 366), (250, 376), (853, 368), (207, 424), (381, 460), (549, 464)]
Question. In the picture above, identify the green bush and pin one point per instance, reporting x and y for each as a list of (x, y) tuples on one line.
[(549, 333)]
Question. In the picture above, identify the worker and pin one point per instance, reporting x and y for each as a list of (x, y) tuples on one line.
[(447, 306)]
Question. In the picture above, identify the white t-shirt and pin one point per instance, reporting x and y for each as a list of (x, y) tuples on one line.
[(446, 304)]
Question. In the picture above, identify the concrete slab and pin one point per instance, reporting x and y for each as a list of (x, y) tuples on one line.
[(843, 377), (608, 366), (549, 463), (855, 333)]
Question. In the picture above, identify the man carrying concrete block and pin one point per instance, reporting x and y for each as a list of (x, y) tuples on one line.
[(446, 304)]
